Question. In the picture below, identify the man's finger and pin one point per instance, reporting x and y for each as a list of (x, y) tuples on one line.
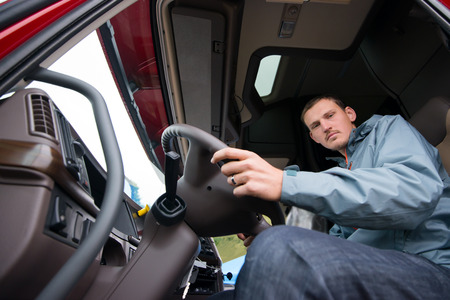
[(228, 154)]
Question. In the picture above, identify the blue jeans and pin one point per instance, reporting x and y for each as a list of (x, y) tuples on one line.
[(286, 262)]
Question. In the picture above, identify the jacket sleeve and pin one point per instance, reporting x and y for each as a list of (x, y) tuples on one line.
[(399, 189)]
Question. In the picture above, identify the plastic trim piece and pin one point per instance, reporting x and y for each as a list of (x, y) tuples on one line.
[(439, 12)]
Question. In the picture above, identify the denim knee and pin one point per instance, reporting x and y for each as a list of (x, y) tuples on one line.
[(267, 248), (277, 258), (280, 236), (277, 245), (272, 237)]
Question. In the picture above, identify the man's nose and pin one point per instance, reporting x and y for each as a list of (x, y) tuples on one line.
[(325, 126)]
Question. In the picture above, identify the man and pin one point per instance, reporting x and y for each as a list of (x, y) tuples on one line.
[(390, 202)]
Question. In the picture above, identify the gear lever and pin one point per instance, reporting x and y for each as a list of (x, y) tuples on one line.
[(169, 208)]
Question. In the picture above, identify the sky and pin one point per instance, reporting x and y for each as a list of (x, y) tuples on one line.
[(87, 62)]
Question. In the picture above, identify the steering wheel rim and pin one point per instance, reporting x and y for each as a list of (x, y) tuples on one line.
[(209, 198)]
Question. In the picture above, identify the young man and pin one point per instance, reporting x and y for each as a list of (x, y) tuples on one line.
[(390, 201)]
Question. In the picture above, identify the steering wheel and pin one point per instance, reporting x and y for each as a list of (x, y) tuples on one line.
[(212, 209)]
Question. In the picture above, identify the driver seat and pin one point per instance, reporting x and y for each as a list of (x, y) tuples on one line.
[(433, 122)]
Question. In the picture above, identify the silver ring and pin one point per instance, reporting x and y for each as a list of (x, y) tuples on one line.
[(232, 180)]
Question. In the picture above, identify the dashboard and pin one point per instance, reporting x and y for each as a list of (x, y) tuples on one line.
[(52, 189)]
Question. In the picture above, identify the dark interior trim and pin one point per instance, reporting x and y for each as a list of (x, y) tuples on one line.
[(12, 11)]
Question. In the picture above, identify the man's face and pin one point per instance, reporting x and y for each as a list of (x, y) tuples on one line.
[(330, 125)]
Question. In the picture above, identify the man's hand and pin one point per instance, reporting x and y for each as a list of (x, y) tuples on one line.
[(250, 174)]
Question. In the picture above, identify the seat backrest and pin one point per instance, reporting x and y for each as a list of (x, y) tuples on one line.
[(433, 122)]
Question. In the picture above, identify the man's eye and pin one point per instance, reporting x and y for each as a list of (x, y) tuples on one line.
[(314, 126), (330, 115)]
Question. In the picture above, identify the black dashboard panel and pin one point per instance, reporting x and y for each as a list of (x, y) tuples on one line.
[(73, 151)]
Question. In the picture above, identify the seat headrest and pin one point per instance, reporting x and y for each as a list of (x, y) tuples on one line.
[(430, 120)]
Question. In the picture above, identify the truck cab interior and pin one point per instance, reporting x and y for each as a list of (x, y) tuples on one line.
[(192, 77)]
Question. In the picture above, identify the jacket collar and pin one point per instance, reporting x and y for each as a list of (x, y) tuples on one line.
[(357, 135)]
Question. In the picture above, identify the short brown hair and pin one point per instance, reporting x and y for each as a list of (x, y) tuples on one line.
[(314, 100)]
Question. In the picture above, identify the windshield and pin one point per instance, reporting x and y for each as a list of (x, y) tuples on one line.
[(86, 61)]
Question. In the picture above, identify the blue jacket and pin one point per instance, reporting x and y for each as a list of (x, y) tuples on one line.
[(396, 195)]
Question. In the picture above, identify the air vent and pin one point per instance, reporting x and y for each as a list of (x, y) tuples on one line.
[(41, 116)]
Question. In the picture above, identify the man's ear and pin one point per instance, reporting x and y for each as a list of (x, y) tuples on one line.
[(312, 137), (350, 113)]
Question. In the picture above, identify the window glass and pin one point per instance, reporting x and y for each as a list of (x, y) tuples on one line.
[(232, 252), (266, 74), (86, 61)]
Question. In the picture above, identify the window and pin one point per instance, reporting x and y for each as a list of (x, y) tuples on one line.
[(266, 74), (232, 252), (86, 61)]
